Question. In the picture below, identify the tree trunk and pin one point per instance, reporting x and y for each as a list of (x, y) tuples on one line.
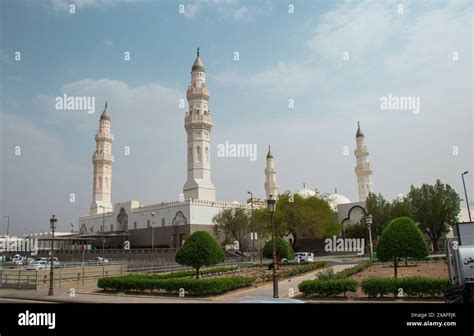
[(197, 272), (395, 265), (294, 240), (434, 242)]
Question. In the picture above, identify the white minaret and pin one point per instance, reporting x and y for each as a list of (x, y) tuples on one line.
[(363, 169), (271, 186), (198, 125), (102, 160)]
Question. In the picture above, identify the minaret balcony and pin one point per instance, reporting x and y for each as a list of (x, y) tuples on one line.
[(197, 119), (201, 92), (101, 136), (103, 157)]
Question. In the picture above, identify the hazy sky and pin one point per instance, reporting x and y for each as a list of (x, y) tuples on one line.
[(334, 59)]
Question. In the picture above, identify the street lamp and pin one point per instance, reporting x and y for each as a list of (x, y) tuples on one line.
[(465, 194), (152, 230), (52, 223), (8, 224), (368, 220), (253, 229), (271, 202), (103, 230)]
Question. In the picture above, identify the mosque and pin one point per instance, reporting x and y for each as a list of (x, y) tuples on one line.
[(168, 224)]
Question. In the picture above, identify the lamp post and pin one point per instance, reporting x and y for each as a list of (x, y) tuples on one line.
[(271, 209), (103, 231), (253, 229), (52, 223), (465, 194), (152, 230), (368, 220), (8, 224)]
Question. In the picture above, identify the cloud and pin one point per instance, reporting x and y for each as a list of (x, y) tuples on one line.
[(225, 8), (62, 5)]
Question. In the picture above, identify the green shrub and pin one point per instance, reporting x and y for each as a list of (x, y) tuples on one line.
[(411, 286), (187, 274), (354, 269), (374, 286), (327, 274), (329, 287), (401, 239), (282, 247), (200, 249), (143, 283)]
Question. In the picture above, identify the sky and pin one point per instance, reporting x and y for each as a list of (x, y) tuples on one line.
[(334, 60)]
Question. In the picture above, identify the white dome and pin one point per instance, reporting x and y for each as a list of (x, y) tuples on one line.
[(336, 199), (305, 192)]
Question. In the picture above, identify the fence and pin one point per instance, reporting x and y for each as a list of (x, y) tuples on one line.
[(77, 276)]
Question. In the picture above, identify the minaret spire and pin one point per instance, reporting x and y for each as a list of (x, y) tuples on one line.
[(363, 168), (198, 125), (102, 160), (271, 185)]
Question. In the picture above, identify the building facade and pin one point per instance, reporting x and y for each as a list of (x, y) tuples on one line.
[(165, 224)]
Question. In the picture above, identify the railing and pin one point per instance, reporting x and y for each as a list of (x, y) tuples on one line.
[(73, 277)]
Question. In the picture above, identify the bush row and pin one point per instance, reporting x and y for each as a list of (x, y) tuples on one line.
[(411, 286), (329, 287), (353, 270), (192, 273), (138, 283), (284, 273)]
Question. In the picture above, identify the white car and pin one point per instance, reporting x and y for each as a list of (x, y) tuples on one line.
[(301, 257), (38, 266), (99, 261)]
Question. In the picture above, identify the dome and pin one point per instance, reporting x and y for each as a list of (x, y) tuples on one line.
[(336, 199), (105, 114), (305, 192), (198, 65)]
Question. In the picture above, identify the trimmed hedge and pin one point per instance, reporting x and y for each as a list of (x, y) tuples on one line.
[(329, 287), (308, 267), (353, 270), (140, 283), (191, 273), (412, 286)]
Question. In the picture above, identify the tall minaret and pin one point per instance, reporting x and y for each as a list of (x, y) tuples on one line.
[(198, 125), (363, 169), (271, 186), (102, 160)]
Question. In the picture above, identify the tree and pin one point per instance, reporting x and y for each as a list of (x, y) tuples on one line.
[(435, 207), (399, 208), (401, 239), (379, 208), (232, 225), (311, 216), (282, 247), (200, 249)]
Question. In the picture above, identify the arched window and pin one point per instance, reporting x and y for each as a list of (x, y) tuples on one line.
[(106, 182), (207, 154), (198, 154)]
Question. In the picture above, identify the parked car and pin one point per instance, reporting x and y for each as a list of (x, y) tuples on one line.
[(38, 266), (301, 257), (30, 260), (99, 261)]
